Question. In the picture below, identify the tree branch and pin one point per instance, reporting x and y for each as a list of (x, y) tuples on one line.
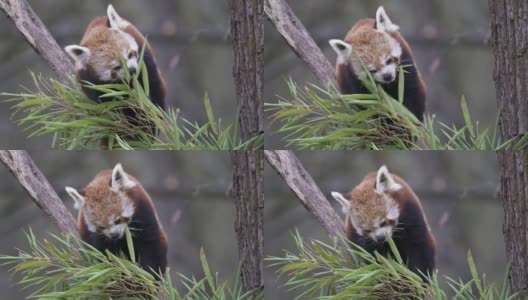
[(299, 40), (38, 36), (38, 187), (305, 188), (248, 190)]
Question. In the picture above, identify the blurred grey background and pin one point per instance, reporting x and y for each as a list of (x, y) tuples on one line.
[(448, 39), (189, 39), (190, 191), (457, 190)]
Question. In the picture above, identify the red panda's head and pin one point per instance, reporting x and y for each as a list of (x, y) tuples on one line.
[(103, 47), (104, 203), (370, 208), (371, 49)]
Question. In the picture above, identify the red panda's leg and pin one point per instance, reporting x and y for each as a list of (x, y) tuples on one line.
[(421, 258), (157, 85), (414, 93), (152, 257), (348, 82), (156, 82)]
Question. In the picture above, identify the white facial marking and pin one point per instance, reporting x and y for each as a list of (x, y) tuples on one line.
[(345, 204), (380, 233), (386, 70), (356, 226), (128, 209), (115, 231), (396, 50), (393, 211), (132, 64), (343, 50), (89, 224), (383, 23)]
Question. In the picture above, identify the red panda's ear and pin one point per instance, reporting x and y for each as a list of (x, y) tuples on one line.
[(80, 54), (77, 198), (383, 23), (385, 182), (345, 204), (343, 50), (120, 179), (116, 22)]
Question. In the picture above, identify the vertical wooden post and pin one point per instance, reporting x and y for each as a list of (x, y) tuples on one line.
[(513, 170), (509, 33), (247, 35), (248, 191)]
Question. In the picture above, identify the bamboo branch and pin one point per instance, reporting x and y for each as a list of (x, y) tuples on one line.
[(305, 188), (38, 187), (38, 36), (299, 40)]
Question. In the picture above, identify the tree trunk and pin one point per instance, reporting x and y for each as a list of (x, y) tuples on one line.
[(248, 190), (513, 193), (247, 35), (38, 187), (509, 33)]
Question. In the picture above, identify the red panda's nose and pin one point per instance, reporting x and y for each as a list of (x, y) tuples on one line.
[(388, 77), (132, 70)]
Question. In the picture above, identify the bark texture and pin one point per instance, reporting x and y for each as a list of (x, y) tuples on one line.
[(306, 190), (38, 36), (247, 35), (299, 40), (38, 187), (513, 193), (248, 190), (509, 36)]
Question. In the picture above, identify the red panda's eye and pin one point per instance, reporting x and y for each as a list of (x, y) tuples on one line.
[(117, 68), (121, 220), (389, 61), (383, 224)]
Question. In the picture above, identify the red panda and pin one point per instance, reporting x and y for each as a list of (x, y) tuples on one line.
[(112, 201), (377, 45), (98, 57), (383, 205)]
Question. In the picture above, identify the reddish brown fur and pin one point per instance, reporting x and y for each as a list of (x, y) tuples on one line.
[(157, 85), (412, 235), (149, 238), (156, 81), (99, 188), (415, 88), (362, 196)]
